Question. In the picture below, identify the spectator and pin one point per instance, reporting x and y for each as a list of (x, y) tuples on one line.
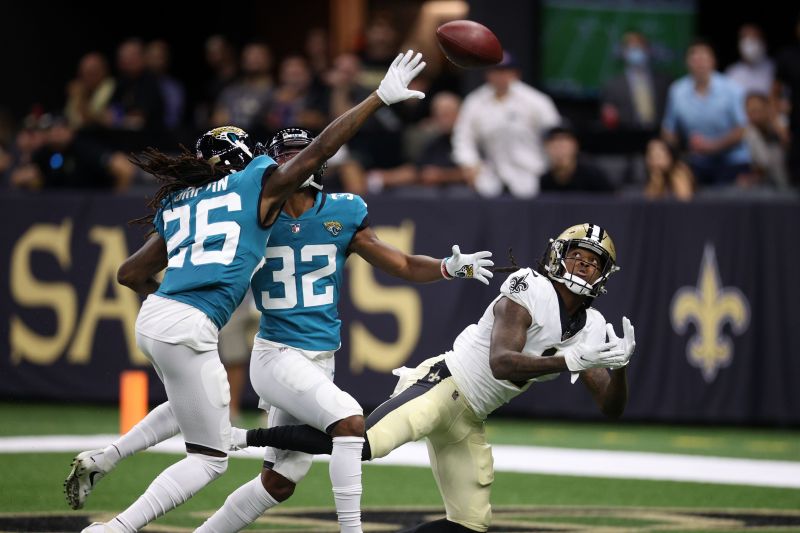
[(434, 167), (27, 142), (295, 102), (318, 54), (89, 94), (221, 60), (137, 104), (69, 160), (567, 173), (235, 345), (755, 71), (172, 92), (667, 176), (705, 110), (380, 49), (379, 143), (435, 162), (787, 77), (634, 100), (767, 139), (498, 136), (243, 102)]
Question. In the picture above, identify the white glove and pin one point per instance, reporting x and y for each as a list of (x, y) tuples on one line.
[(474, 265), (584, 356), (394, 86), (238, 439), (627, 343)]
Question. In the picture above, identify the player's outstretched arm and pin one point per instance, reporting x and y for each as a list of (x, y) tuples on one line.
[(287, 177), (138, 271), (420, 268)]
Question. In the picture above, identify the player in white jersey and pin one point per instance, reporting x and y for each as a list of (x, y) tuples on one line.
[(541, 324), (178, 330)]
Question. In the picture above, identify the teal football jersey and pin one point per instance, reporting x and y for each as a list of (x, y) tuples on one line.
[(297, 289), (214, 241)]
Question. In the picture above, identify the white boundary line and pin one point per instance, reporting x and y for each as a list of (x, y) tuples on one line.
[(525, 459)]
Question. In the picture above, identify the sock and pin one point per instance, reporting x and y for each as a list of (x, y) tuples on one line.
[(241, 508), (171, 488), (159, 425), (345, 471), (298, 438)]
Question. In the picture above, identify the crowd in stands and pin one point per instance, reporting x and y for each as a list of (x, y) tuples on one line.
[(709, 130)]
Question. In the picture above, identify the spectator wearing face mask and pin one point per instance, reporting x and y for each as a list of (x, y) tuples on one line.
[(634, 100), (755, 72)]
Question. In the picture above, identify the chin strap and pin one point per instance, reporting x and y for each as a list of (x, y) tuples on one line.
[(577, 285), (243, 147), (311, 183)]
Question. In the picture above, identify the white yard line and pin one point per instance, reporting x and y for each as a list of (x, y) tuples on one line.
[(526, 459)]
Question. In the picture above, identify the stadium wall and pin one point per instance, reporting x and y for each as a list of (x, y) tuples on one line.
[(710, 287)]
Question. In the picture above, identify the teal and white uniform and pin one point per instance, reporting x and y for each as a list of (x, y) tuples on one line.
[(297, 292), (215, 241)]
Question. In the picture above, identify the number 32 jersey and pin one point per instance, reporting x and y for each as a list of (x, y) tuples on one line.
[(215, 241), (297, 290)]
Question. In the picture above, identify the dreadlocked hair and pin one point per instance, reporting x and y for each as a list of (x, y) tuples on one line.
[(175, 173), (514, 266)]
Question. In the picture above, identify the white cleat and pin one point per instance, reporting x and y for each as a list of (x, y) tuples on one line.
[(87, 469)]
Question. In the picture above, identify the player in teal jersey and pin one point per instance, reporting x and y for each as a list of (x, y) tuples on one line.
[(211, 228), (291, 367)]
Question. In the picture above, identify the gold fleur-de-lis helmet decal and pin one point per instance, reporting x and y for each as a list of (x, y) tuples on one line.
[(709, 306)]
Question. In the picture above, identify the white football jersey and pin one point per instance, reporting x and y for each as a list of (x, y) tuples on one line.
[(469, 360)]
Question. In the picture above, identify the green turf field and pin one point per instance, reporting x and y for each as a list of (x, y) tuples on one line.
[(31, 483)]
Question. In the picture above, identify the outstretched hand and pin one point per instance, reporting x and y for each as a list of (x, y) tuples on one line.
[(627, 343), (474, 265), (394, 86)]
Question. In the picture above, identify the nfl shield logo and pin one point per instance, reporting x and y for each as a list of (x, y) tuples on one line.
[(295, 228)]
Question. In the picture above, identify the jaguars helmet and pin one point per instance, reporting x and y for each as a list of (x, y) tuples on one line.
[(587, 236), (290, 140), (228, 145)]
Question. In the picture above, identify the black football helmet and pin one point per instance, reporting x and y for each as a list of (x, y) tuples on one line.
[(293, 140), (228, 145)]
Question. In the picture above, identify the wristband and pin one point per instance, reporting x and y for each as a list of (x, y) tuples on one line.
[(443, 268)]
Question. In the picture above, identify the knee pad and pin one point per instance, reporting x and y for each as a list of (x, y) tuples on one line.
[(290, 464), (211, 465), (338, 402)]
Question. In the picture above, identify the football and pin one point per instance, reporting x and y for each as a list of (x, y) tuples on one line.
[(468, 44)]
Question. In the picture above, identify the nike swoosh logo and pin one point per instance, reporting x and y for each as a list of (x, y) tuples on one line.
[(91, 478)]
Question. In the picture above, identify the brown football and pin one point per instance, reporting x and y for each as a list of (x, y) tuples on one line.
[(469, 44)]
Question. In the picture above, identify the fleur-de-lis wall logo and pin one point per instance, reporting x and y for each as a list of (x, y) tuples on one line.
[(709, 306)]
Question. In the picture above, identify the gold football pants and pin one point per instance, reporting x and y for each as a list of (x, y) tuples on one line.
[(430, 406)]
